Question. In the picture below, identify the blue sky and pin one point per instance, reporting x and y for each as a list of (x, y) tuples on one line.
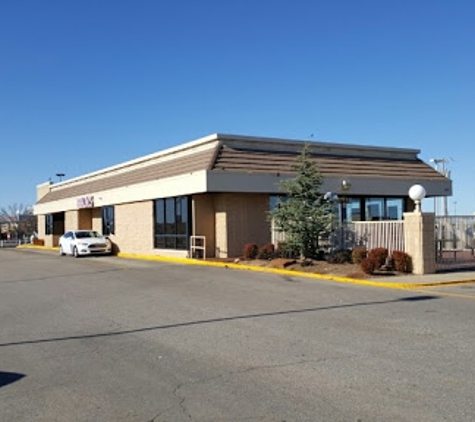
[(88, 84)]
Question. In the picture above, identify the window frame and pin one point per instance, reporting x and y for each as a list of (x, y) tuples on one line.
[(108, 220), (172, 222), (49, 224)]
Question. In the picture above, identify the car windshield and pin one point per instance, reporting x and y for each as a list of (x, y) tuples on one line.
[(83, 235)]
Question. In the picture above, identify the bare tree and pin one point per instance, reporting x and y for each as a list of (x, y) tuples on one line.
[(17, 220)]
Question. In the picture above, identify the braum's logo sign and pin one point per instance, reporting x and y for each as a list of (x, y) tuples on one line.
[(86, 202)]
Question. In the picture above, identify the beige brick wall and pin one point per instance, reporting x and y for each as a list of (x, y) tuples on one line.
[(71, 219), (78, 219), (419, 238), (49, 239), (228, 221), (134, 228), (204, 221), (41, 226), (96, 217), (241, 219), (42, 190)]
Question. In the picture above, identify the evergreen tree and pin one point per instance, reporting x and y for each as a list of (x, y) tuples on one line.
[(303, 214)]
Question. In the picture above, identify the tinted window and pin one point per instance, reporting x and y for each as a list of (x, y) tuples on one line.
[(172, 223), (49, 223), (108, 220)]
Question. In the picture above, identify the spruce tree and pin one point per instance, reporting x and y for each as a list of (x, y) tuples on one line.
[(302, 213)]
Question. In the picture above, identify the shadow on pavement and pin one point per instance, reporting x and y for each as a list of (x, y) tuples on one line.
[(214, 320), (9, 378)]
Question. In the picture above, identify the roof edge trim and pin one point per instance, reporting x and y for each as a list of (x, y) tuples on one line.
[(163, 153), (283, 141)]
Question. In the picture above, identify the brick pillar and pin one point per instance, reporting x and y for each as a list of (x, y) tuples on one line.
[(419, 237)]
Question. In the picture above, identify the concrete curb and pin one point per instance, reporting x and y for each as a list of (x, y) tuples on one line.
[(41, 248), (291, 273)]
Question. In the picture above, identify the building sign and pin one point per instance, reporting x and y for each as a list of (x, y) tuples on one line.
[(86, 202)]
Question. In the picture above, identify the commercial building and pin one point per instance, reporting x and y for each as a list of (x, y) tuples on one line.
[(221, 188)]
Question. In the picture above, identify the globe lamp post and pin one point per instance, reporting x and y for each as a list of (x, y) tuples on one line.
[(417, 193)]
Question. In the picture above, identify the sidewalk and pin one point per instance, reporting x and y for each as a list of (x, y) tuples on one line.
[(441, 278)]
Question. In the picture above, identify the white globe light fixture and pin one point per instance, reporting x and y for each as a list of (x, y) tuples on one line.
[(417, 193)]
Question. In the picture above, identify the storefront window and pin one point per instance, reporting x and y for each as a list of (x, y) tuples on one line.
[(348, 210), (49, 224), (378, 209), (108, 220), (172, 223), (170, 213), (274, 200), (374, 209), (54, 224), (394, 208), (353, 210)]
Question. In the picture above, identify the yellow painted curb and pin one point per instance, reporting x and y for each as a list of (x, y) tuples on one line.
[(45, 248), (291, 273)]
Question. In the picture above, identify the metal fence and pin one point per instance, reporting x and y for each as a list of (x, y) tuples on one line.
[(455, 242), (454, 239), (371, 234), (12, 243)]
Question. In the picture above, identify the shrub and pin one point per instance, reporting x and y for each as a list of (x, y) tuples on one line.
[(369, 265), (286, 250), (341, 256), (319, 255), (250, 251), (379, 255), (402, 261), (266, 252), (358, 254)]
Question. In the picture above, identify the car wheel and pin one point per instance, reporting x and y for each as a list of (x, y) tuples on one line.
[(61, 251), (75, 252)]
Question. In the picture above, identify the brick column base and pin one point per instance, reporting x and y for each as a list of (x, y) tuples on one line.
[(419, 238)]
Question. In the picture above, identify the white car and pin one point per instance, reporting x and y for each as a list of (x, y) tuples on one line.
[(84, 242)]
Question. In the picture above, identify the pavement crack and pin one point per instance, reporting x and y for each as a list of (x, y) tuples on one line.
[(280, 365), (181, 402), (158, 415)]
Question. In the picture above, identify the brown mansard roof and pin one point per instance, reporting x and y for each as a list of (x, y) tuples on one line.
[(228, 158), (174, 167), (254, 161)]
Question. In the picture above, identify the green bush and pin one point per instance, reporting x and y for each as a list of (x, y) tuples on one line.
[(358, 254), (286, 250)]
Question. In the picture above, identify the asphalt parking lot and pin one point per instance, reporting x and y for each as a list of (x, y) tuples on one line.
[(110, 339)]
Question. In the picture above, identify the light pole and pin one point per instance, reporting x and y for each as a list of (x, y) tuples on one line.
[(17, 213), (60, 175)]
